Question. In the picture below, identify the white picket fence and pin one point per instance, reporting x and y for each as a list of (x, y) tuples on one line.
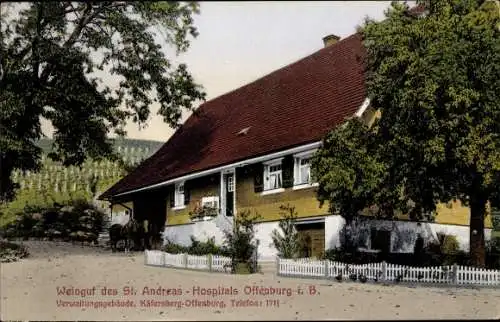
[(385, 272), (213, 263)]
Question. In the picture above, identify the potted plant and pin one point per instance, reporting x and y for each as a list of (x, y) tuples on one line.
[(203, 212)]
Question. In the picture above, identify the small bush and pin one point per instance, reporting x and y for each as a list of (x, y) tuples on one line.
[(11, 252), (288, 241), (203, 248), (449, 244), (78, 221), (196, 248), (173, 248), (240, 242)]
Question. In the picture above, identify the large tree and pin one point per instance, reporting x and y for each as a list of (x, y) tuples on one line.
[(53, 57), (436, 79)]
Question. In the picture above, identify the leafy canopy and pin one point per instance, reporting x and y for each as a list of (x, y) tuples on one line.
[(435, 78), (436, 81), (56, 59)]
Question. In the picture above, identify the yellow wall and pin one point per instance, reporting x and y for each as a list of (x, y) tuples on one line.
[(454, 213), (370, 115), (267, 206), (306, 204), (304, 201), (199, 188)]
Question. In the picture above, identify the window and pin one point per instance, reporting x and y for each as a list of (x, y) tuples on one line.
[(179, 194), (230, 183), (273, 176), (212, 202), (303, 171)]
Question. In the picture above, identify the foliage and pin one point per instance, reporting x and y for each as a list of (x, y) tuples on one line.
[(57, 183), (288, 241), (200, 211), (53, 57), (240, 242), (11, 252), (493, 253), (349, 170), (449, 244), (196, 248), (173, 248), (435, 79), (76, 221), (203, 248), (442, 252)]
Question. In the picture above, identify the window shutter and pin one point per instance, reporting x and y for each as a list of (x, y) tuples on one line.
[(172, 196), (258, 176), (287, 170), (187, 193)]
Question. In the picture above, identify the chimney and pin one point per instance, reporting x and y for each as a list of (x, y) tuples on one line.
[(330, 40)]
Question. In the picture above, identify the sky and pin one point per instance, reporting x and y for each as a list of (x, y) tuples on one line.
[(239, 42)]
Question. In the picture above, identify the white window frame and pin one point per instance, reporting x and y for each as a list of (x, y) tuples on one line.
[(230, 184), (210, 201), (297, 184), (267, 173), (179, 197)]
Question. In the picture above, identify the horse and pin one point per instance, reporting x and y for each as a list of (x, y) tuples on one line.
[(132, 233), (152, 235)]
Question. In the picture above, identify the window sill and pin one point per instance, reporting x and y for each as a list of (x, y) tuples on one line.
[(205, 218), (305, 186), (179, 207), (273, 191)]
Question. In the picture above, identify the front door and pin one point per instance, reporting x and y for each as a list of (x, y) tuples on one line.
[(312, 238), (229, 186)]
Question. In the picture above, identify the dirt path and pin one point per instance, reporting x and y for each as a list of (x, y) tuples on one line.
[(29, 290)]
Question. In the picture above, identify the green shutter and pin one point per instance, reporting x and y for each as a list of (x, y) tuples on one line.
[(258, 177), (287, 171)]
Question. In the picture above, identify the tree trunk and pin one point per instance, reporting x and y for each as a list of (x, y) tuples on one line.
[(477, 245), (6, 184)]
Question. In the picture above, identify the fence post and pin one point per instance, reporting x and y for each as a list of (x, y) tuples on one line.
[(185, 260), (455, 273), (384, 271), (278, 265), (327, 268), (146, 257), (209, 262)]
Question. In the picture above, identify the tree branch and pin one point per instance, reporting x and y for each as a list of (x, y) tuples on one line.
[(84, 20)]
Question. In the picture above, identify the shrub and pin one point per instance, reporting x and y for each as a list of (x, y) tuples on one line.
[(11, 252), (196, 248), (240, 242), (79, 221), (173, 248), (203, 248), (288, 241), (493, 253), (449, 244), (357, 257)]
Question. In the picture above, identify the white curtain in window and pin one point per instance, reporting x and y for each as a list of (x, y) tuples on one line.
[(275, 180), (305, 174)]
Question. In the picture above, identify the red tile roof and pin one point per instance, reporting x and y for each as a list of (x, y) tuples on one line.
[(295, 105)]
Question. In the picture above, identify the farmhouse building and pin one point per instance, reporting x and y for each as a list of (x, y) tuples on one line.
[(250, 149)]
